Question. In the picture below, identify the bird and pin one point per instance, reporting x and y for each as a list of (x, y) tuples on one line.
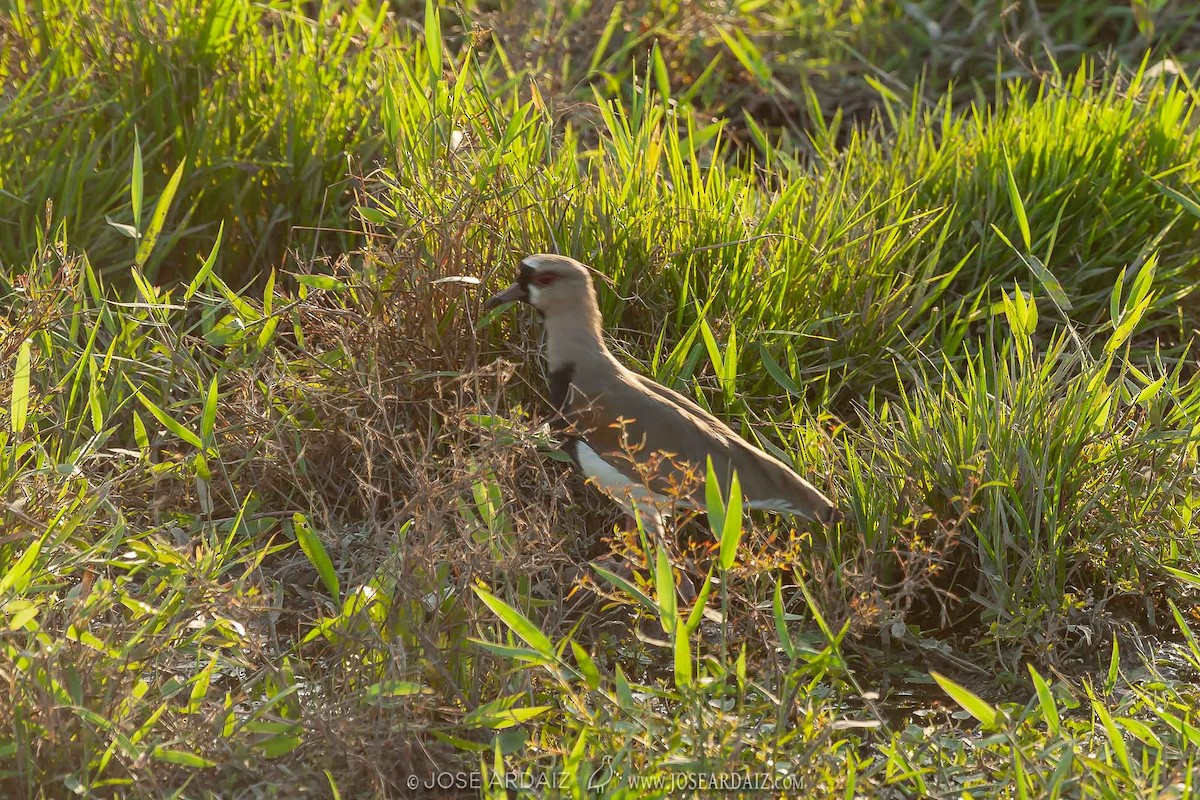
[(640, 442)]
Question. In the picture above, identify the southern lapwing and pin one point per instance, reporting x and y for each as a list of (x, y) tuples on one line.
[(612, 417)]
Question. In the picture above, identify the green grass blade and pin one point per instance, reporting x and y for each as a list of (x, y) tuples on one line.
[(776, 372), (614, 18), (661, 79), (518, 623), (664, 588), (159, 217), (167, 421), (696, 615), (1014, 197), (1049, 283), (207, 267), (19, 403), (19, 574), (1188, 204), (1115, 739), (310, 543), (1114, 665), (586, 665), (627, 587), (682, 648), (135, 183), (781, 630), (1187, 577), (433, 39), (181, 757), (1045, 700), (714, 505), (972, 703), (208, 418), (714, 351), (732, 529)]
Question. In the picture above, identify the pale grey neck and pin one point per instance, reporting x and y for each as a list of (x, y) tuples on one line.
[(578, 342)]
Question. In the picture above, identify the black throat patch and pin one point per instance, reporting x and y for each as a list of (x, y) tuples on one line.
[(560, 396), (560, 392)]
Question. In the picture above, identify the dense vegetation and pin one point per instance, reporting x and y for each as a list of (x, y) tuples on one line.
[(279, 511)]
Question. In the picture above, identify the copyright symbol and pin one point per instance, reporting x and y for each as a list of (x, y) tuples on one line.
[(414, 782)]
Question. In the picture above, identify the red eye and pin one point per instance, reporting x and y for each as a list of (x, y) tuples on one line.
[(545, 279)]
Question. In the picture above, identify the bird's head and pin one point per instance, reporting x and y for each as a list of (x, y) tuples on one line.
[(554, 285)]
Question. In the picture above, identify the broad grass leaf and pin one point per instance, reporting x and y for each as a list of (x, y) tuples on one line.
[(776, 371), (732, 529), (501, 718), (661, 79), (181, 757), (145, 288), (135, 185), (625, 586), (372, 215), (714, 351), (167, 421), (200, 687), (433, 39), (518, 623), (972, 703), (728, 376), (1115, 739), (1049, 283), (746, 53), (1114, 300), (601, 48), (208, 418), (715, 506), (1014, 197), (140, 437), (207, 267), (1150, 391), (1127, 325), (150, 237), (587, 666), (511, 653), (19, 574), (624, 691), (397, 689), (1141, 730), (785, 638), (682, 646), (1142, 282), (664, 587), (310, 543), (326, 283), (819, 618), (276, 746), (1188, 204), (19, 403), (244, 310), (1045, 700), (123, 229), (697, 612), (94, 402), (1183, 575), (17, 620), (1188, 635)]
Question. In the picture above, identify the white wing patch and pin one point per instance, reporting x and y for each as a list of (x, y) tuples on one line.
[(612, 481), (653, 505), (777, 506)]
